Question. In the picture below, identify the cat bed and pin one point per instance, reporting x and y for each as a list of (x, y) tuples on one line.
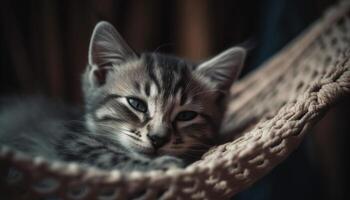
[(271, 111)]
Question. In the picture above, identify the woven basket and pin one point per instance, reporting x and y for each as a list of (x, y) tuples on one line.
[(270, 112)]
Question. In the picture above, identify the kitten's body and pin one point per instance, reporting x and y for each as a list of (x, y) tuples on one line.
[(142, 112), (34, 124), (41, 127)]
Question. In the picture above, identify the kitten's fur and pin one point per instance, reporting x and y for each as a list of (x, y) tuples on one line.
[(147, 111)]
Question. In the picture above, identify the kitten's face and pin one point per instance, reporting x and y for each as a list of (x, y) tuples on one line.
[(154, 104)]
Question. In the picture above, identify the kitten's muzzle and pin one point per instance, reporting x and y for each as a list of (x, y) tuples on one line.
[(158, 139)]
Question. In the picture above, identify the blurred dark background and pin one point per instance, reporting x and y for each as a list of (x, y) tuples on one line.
[(43, 49)]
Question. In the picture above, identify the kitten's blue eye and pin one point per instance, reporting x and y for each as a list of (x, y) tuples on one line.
[(137, 104), (186, 115)]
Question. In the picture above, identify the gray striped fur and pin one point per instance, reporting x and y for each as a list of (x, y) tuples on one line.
[(113, 134)]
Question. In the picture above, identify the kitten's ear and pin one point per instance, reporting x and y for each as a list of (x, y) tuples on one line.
[(223, 69), (107, 46)]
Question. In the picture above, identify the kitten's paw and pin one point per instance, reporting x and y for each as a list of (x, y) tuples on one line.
[(167, 162)]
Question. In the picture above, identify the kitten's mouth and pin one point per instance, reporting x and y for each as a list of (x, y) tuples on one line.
[(150, 152), (146, 151), (154, 153)]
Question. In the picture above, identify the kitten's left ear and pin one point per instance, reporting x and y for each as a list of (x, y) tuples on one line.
[(107, 46), (223, 69)]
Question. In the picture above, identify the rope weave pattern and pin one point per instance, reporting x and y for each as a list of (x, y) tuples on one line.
[(271, 110)]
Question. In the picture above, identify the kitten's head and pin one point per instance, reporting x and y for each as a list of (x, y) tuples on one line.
[(151, 103)]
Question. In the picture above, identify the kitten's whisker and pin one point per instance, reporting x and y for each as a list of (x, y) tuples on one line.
[(163, 45), (111, 131), (206, 91)]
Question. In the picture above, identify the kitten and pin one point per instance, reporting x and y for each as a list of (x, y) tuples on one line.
[(142, 111)]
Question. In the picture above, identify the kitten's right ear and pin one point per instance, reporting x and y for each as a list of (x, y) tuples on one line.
[(106, 48)]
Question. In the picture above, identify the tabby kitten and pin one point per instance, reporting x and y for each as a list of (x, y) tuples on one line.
[(142, 112)]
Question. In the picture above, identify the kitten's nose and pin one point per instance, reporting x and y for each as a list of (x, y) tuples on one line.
[(158, 139)]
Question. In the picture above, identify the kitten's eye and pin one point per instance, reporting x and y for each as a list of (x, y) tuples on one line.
[(137, 104), (186, 115)]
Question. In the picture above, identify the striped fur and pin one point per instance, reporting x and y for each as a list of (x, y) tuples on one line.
[(142, 111), (168, 85)]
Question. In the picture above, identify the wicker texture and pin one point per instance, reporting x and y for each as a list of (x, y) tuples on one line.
[(271, 110)]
